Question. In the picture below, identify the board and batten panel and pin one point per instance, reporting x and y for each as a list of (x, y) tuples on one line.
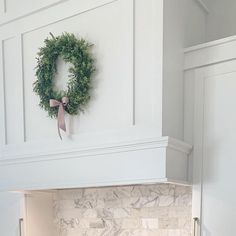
[(13, 86), (111, 106)]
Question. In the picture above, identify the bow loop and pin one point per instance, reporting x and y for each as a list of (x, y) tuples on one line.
[(54, 103)]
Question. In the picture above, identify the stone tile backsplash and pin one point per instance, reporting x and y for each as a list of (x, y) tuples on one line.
[(145, 210)]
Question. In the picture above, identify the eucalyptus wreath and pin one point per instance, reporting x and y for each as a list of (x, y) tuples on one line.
[(76, 51)]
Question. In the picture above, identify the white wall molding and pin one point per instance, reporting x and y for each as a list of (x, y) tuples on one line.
[(8, 18), (47, 16), (134, 68), (21, 111), (2, 7), (210, 53), (154, 160), (2, 103), (72, 152)]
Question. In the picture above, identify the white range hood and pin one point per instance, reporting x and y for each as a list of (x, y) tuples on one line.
[(145, 161), (132, 131)]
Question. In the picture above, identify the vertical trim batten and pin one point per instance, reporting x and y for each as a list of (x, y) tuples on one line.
[(21, 89), (134, 55), (5, 6), (3, 133)]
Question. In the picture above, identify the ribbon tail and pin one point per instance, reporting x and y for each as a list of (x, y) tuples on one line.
[(61, 120), (61, 124)]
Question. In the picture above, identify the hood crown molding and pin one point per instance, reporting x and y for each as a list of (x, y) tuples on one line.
[(145, 161)]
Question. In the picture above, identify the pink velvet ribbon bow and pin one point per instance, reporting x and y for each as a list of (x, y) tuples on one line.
[(61, 124)]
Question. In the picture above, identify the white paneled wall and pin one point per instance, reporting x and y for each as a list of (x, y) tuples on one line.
[(125, 84), (184, 25), (210, 82), (89, 20), (148, 57), (112, 71), (13, 90), (122, 81), (124, 118)]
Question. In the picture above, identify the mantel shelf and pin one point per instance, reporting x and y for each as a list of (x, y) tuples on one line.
[(153, 160)]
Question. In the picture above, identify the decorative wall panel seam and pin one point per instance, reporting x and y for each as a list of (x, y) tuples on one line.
[(2, 99), (134, 94), (4, 6), (21, 77)]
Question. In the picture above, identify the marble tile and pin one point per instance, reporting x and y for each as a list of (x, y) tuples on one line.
[(97, 223), (140, 210), (154, 212), (166, 200), (180, 211), (150, 223), (122, 213), (168, 223), (131, 223), (90, 213)]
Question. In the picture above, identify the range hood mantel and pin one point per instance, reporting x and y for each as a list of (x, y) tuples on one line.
[(139, 162), (124, 137)]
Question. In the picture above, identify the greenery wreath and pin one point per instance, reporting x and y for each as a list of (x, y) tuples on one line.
[(75, 51)]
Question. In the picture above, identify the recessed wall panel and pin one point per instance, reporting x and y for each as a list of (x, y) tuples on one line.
[(111, 106), (13, 91)]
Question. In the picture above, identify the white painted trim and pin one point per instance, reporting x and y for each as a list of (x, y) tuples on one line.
[(199, 94), (210, 44), (203, 6), (21, 114), (23, 25), (13, 18), (147, 161), (15, 158), (2, 7), (210, 53), (134, 62), (2, 98), (74, 185)]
